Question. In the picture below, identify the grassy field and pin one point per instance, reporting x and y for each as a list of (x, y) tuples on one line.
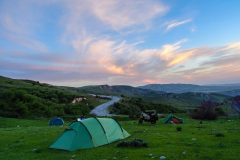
[(29, 139)]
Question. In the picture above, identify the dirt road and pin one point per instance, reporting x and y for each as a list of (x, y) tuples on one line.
[(102, 110)]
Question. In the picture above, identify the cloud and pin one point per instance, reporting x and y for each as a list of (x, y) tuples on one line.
[(88, 19), (96, 50), (108, 61), (100, 54), (176, 23), (180, 58), (115, 14), (151, 81), (121, 14), (212, 64)]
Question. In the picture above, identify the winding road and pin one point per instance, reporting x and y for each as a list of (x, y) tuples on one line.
[(102, 110)]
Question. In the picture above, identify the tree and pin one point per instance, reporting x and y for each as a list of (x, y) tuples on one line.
[(236, 104), (206, 111)]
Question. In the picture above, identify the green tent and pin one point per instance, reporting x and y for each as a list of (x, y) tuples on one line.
[(89, 133), (173, 119)]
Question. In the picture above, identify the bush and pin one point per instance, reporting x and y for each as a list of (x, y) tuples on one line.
[(219, 134), (137, 143), (36, 102), (207, 111), (179, 128), (134, 106), (236, 104), (220, 111)]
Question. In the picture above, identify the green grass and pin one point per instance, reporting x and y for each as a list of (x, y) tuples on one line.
[(29, 139)]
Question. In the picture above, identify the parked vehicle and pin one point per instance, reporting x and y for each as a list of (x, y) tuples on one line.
[(148, 116)]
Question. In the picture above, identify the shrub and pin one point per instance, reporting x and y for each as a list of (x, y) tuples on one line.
[(36, 101), (236, 104), (137, 143), (220, 111), (179, 128), (206, 111), (219, 134), (134, 106)]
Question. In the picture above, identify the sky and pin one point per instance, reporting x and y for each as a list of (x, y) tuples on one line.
[(132, 42)]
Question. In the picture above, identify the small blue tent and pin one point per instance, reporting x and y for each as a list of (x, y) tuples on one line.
[(56, 122)]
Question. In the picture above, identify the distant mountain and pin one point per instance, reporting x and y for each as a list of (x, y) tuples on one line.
[(118, 90), (230, 84), (183, 88), (181, 100), (231, 93)]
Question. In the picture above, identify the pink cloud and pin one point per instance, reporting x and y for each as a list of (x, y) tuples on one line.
[(94, 57), (122, 62), (151, 81)]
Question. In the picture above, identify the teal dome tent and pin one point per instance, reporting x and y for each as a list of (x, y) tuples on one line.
[(89, 133)]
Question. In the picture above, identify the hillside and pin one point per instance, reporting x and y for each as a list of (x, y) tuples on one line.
[(231, 93), (183, 88), (31, 99), (118, 90), (181, 100)]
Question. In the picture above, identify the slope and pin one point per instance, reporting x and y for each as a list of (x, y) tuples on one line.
[(182, 88), (32, 99)]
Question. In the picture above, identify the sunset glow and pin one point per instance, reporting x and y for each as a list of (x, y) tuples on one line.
[(79, 42)]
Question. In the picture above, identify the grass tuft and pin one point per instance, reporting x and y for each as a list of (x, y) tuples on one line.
[(179, 128), (219, 134)]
